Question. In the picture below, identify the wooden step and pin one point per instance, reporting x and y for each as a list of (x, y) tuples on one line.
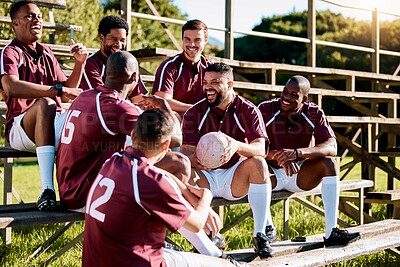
[(376, 236)]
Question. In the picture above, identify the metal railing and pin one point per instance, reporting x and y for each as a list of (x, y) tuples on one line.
[(311, 41)]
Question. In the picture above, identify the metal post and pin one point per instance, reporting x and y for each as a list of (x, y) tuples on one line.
[(312, 34), (375, 41), (229, 39), (126, 8)]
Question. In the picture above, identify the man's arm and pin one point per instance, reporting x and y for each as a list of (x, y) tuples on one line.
[(254, 148), (324, 149), (14, 87), (190, 152), (174, 104)]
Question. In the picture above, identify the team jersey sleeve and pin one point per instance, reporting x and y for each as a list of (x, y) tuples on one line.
[(128, 115), (255, 127), (164, 79), (171, 208), (323, 131), (92, 76), (10, 59), (61, 77), (190, 132), (140, 88)]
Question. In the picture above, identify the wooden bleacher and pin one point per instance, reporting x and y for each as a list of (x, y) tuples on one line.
[(377, 236)]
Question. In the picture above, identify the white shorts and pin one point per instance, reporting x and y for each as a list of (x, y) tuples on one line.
[(284, 182), (179, 259), (220, 181), (20, 141)]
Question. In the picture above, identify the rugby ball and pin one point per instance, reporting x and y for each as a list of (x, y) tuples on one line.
[(210, 148)]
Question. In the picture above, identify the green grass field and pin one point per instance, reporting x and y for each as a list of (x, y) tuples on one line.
[(302, 222)]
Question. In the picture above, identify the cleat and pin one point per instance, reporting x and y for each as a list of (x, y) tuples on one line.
[(171, 246), (262, 246), (341, 238), (218, 240), (270, 233), (47, 200)]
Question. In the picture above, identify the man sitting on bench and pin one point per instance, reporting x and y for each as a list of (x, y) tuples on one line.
[(244, 171), (33, 86), (295, 166), (131, 203)]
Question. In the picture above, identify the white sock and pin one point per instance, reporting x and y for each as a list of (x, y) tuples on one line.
[(269, 216), (201, 242), (45, 156), (330, 197), (259, 202)]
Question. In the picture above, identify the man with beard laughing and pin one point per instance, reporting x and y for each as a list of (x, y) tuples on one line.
[(244, 171)]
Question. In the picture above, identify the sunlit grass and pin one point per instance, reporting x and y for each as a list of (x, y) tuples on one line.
[(303, 222)]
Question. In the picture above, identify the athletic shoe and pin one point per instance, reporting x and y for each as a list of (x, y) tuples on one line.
[(171, 246), (232, 260), (47, 200), (270, 233), (262, 246), (218, 240), (341, 237)]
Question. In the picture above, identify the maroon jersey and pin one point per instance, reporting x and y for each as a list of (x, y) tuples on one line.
[(242, 121), (95, 74), (180, 78), (96, 126), (129, 207), (295, 134), (38, 66)]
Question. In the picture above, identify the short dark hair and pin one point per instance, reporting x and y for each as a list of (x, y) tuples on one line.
[(221, 68), (302, 82), (195, 24), (112, 22), (17, 5), (153, 127)]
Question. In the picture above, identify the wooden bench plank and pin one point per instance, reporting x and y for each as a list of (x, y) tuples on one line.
[(48, 25), (60, 4), (28, 215), (389, 195), (376, 236)]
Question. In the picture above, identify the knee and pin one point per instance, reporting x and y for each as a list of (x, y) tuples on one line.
[(183, 167), (46, 106), (257, 167), (329, 166)]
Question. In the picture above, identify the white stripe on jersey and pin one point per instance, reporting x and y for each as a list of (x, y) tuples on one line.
[(203, 119), (87, 78), (2, 58), (237, 122), (103, 123), (179, 72), (135, 184), (273, 118), (163, 69), (308, 120)]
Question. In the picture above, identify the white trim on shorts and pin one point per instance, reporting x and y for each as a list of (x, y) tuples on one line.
[(220, 181), (20, 141), (284, 182)]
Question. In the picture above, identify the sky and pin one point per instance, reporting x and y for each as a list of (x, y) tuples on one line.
[(248, 13)]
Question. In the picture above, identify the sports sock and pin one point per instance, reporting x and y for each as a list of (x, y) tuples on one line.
[(330, 197), (269, 216), (201, 242), (259, 201), (45, 156)]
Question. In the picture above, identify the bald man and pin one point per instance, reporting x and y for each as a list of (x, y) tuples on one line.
[(295, 165)]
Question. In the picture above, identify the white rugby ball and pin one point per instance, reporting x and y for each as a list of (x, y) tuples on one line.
[(210, 148)]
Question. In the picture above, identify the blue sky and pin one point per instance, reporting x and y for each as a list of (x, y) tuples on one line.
[(248, 13)]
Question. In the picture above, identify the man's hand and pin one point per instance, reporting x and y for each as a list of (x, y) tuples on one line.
[(230, 150), (195, 162), (79, 51), (283, 156), (213, 223), (203, 194), (70, 93), (291, 168)]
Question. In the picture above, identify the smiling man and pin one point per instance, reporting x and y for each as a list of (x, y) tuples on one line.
[(33, 86), (113, 32), (296, 165), (179, 78), (245, 171)]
